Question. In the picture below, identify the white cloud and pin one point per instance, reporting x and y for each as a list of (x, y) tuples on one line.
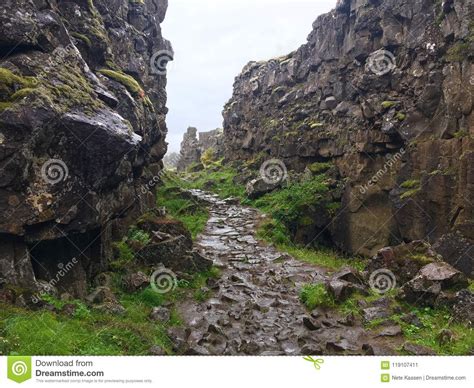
[(214, 39)]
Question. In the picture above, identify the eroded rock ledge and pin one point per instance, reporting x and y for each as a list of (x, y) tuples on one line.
[(397, 124), (82, 131)]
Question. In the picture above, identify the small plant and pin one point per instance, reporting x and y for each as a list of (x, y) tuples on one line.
[(316, 295), (208, 157), (139, 236)]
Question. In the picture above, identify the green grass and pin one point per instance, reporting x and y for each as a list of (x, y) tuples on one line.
[(292, 204), (315, 295), (434, 321), (89, 332), (323, 257), (193, 214), (219, 177)]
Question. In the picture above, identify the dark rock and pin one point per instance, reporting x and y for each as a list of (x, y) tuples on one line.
[(311, 324), (259, 187), (462, 308), (426, 287), (193, 148), (345, 97), (69, 309), (76, 161), (372, 313), (136, 281), (101, 295), (418, 350), (156, 350), (178, 337), (404, 260), (390, 331), (457, 251), (160, 314)]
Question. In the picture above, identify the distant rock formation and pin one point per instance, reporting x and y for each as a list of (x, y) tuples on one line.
[(384, 90), (192, 147)]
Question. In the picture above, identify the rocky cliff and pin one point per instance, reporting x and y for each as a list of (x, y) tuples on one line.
[(82, 131), (195, 144), (384, 91)]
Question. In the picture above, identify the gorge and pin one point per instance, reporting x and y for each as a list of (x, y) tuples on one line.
[(349, 158)]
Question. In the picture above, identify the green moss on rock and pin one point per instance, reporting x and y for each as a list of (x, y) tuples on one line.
[(126, 80), (83, 38)]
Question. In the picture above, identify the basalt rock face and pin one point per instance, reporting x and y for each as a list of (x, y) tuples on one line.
[(194, 145), (384, 90), (82, 131)]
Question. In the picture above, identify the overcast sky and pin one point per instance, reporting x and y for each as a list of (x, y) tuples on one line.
[(214, 39)]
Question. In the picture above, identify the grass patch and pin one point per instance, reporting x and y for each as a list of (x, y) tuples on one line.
[(315, 295), (191, 213), (220, 177), (323, 257), (89, 332)]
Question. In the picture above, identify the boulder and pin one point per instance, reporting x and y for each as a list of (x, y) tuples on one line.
[(431, 280), (135, 282), (404, 260), (256, 188), (160, 314)]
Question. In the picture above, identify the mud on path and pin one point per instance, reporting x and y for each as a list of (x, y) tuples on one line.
[(255, 307)]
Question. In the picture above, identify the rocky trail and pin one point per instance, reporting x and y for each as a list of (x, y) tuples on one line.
[(255, 307)]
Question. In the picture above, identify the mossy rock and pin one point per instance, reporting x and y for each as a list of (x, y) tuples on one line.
[(130, 83)]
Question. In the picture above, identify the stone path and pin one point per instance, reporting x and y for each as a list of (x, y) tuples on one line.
[(255, 307)]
